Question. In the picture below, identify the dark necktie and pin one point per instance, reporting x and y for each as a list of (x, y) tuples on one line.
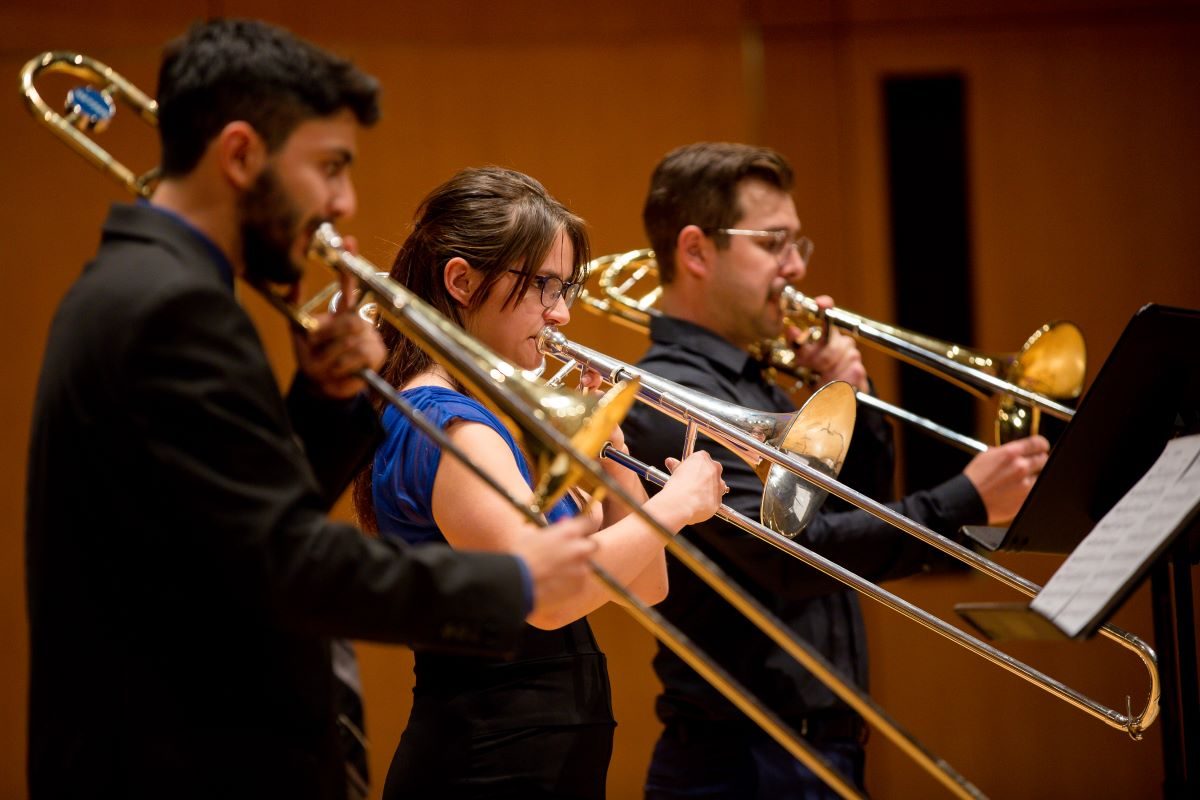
[(351, 735)]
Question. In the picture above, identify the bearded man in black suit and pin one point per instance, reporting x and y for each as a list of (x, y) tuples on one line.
[(184, 581)]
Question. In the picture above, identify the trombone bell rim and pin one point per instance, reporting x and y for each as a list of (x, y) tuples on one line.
[(819, 433)]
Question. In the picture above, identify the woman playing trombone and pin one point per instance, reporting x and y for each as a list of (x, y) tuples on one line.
[(493, 251)]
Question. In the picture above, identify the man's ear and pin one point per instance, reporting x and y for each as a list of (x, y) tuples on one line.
[(241, 153), (461, 280), (693, 252)]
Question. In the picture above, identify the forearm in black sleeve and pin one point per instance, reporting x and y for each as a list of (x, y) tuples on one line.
[(339, 436), (878, 551), (241, 511), (854, 540), (332, 580)]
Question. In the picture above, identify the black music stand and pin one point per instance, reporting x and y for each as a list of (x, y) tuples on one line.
[(1147, 391)]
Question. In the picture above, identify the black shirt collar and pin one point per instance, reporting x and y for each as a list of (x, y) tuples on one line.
[(125, 222), (693, 338)]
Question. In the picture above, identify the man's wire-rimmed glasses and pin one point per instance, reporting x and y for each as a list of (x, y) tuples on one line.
[(776, 242)]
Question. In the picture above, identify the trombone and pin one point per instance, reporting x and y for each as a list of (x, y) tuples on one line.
[(1051, 364), (723, 422), (540, 417)]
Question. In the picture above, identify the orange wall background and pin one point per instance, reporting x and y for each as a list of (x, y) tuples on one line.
[(1084, 180)]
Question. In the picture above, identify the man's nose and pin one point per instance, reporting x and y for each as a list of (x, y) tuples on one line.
[(793, 268), (344, 201)]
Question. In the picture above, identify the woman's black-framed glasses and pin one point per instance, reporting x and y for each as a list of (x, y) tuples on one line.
[(777, 242), (553, 288)]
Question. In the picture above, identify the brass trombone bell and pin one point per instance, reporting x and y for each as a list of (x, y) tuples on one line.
[(819, 433), (1052, 362)]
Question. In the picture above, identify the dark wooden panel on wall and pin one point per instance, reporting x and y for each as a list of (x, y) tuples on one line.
[(925, 130)]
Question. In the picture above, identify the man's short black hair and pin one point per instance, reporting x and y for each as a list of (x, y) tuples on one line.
[(228, 69)]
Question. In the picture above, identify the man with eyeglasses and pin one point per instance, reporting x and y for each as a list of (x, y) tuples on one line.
[(727, 237)]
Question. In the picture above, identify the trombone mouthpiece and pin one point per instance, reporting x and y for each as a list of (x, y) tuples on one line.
[(550, 340), (326, 243), (793, 302)]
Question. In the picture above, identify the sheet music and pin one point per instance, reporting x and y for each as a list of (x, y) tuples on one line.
[(1125, 540)]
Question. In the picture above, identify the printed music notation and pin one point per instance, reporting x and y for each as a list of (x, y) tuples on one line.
[(1126, 541)]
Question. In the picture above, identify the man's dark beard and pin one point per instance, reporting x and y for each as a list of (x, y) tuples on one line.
[(269, 223)]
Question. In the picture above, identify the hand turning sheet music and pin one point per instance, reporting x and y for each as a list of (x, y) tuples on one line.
[(1124, 543)]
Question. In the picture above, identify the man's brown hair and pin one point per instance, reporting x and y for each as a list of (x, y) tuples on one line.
[(697, 185)]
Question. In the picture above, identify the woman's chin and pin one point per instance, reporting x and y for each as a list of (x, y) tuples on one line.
[(528, 356), (534, 361)]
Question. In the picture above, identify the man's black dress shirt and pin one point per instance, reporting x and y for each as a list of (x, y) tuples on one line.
[(821, 610)]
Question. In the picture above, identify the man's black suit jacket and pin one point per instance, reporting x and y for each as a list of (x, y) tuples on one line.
[(182, 576)]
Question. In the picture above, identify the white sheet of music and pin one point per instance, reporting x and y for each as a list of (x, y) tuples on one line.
[(1129, 535)]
